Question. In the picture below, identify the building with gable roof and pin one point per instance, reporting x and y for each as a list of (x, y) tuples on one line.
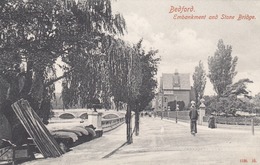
[(174, 87)]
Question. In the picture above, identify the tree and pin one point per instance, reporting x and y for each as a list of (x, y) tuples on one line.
[(97, 65), (238, 88), (172, 105), (199, 81), (89, 53), (229, 103), (234, 103), (148, 83), (222, 68), (149, 64), (28, 32), (36, 33), (51, 29)]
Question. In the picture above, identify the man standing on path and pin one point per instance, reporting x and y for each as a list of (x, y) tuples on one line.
[(193, 118)]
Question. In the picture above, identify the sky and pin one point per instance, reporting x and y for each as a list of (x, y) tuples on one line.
[(182, 43)]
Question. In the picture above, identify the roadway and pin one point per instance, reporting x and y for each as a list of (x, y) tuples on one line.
[(165, 142)]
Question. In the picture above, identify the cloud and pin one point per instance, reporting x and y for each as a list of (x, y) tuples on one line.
[(137, 28), (183, 44), (180, 49), (183, 50)]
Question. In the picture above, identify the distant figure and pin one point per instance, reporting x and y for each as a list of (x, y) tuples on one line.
[(211, 122), (96, 104), (193, 118)]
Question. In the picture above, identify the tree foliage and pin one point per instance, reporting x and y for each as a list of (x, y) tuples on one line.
[(238, 88), (221, 73), (173, 104), (35, 33), (199, 81), (256, 100), (97, 64), (222, 68), (149, 64), (29, 38), (256, 103), (229, 103)]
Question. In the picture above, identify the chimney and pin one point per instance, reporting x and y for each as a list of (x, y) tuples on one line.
[(176, 72)]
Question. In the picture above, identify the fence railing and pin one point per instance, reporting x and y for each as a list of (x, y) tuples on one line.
[(181, 115), (234, 120), (110, 124), (184, 116)]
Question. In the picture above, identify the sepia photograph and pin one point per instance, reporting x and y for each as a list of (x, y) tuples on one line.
[(129, 82)]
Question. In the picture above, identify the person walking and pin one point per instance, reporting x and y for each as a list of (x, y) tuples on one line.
[(211, 121), (193, 118)]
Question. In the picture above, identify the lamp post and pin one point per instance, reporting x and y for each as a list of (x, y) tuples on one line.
[(162, 108), (165, 105), (176, 109), (162, 105), (168, 110), (252, 118)]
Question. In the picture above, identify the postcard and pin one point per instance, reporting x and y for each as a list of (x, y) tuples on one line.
[(156, 82)]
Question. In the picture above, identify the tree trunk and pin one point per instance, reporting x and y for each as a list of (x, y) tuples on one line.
[(45, 110), (129, 125), (137, 118)]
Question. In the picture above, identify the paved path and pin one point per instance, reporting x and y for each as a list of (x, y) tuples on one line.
[(164, 142)]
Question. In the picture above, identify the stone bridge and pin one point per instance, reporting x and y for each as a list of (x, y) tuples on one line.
[(83, 113), (105, 120)]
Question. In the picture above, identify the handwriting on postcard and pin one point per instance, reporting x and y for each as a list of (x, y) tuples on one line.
[(188, 13)]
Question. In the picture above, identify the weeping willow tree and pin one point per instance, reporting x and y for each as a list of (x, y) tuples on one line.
[(132, 77), (97, 65), (86, 55), (112, 69), (34, 34), (125, 78)]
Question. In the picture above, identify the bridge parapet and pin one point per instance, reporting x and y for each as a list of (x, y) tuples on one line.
[(77, 113), (105, 120)]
